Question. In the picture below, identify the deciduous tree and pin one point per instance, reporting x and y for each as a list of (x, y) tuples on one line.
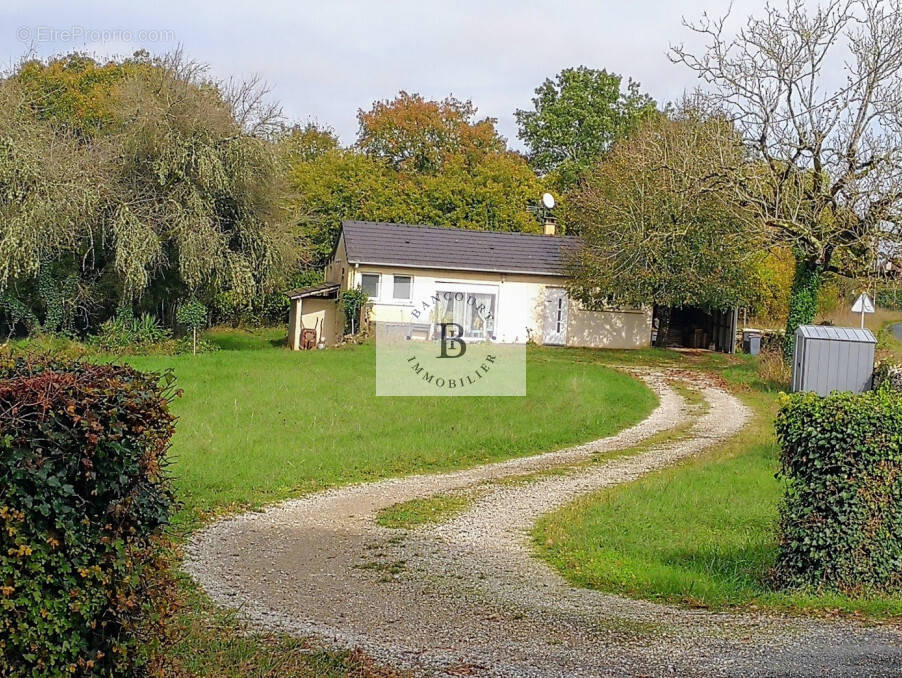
[(144, 178), (413, 134), (575, 119), (656, 226), (817, 97), (415, 161)]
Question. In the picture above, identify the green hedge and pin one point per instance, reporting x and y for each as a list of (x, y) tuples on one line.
[(83, 497), (841, 516)]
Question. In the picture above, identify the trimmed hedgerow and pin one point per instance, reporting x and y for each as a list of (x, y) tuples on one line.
[(841, 515), (83, 497)]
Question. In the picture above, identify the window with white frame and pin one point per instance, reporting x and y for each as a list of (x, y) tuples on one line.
[(403, 287), (370, 284), (473, 309)]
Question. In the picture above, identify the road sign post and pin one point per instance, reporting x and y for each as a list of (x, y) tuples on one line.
[(863, 304)]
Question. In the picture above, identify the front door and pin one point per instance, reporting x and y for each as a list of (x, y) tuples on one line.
[(554, 328)]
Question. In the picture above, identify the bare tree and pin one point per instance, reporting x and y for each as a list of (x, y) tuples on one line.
[(252, 108), (817, 98)]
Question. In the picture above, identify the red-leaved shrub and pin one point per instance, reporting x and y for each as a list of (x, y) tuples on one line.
[(83, 499)]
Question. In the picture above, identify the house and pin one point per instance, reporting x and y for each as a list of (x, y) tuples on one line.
[(498, 286)]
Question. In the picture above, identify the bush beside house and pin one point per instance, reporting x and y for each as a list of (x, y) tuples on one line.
[(83, 498), (353, 303), (841, 515)]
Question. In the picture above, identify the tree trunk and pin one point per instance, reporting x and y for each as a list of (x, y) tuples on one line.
[(802, 301), (194, 338), (663, 326)]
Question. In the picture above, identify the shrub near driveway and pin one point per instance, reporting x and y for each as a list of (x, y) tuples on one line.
[(83, 495), (841, 516)]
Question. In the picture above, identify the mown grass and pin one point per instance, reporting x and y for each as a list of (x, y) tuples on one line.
[(261, 423), (703, 533), (426, 510)]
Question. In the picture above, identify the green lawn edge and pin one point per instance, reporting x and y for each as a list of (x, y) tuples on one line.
[(699, 534), (258, 426)]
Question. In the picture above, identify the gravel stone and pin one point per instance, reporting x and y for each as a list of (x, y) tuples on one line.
[(467, 594)]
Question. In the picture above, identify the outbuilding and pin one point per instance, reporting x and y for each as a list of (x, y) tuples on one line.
[(315, 309), (827, 358)]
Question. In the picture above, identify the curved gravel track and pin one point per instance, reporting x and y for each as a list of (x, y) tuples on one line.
[(465, 597)]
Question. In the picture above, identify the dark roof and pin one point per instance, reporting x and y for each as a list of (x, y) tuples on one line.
[(321, 290), (380, 243)]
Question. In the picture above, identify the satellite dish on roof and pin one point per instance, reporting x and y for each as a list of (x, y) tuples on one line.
[(548, 200)]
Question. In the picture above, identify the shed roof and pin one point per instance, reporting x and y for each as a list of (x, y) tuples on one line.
[(419, 246), (321, 290), (832, 333)]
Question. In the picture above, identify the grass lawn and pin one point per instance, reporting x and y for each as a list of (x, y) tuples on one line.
[(436, 509), (701, 534), (259, 423)]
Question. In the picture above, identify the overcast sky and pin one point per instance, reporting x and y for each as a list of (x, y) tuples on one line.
[(324, 60)]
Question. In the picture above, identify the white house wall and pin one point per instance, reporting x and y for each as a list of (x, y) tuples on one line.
[(608, 329), (517, 297), (520, 306)]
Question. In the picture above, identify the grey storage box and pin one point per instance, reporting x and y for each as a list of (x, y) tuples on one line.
[(829, 359), (751, 341)]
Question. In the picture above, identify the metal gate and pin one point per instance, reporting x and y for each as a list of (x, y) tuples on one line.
[(554, 328)]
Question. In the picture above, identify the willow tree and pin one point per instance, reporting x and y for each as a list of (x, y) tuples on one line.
[(193, 192), (658, 228), (817, 97), (166, 186), (50, 191), (47, 185)]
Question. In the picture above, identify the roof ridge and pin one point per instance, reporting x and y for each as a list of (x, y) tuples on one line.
[(386, 243), (433, 227)]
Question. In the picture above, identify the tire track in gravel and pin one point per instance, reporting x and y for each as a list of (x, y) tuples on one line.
[(466, 596)]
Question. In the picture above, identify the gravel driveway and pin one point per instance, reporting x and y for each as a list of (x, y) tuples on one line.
[(465, 597)]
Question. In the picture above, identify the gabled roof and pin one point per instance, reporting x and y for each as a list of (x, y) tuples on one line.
[(414, 246)]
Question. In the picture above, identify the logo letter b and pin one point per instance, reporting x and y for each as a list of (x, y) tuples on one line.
[(452, 340)]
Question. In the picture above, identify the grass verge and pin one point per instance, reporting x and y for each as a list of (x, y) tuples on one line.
[(203, 640), (701, 534), (438, 508)]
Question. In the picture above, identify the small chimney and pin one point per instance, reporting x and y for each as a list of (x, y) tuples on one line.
[(550, 226)]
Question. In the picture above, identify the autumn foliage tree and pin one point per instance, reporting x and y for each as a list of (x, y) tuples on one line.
[(414, 161), (657, 227), (413, 134)]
